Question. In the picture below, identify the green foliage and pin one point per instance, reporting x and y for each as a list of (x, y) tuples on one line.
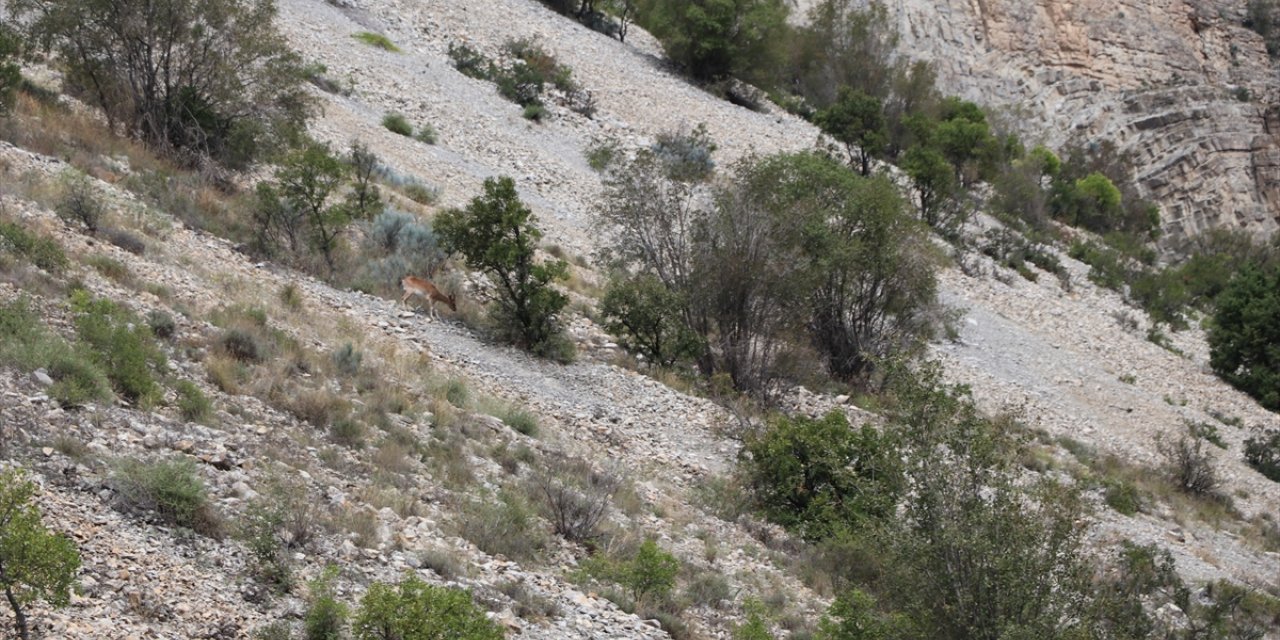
[(35, 564), (10, 73), (273, 565), (648, 576), (376, 40), (1244, 338), (122, 345), (755, 627), (170, 489), (853, 616), (415, 610), (397, 124), (326, 617), (1094, 190), (523, 422), (1262, 452), (364, 201), (974, 549), (298, 210), (498, 236), (715, 39), (601, 155), (162, 324), (645, 316), (470, 62), (856, 120), (30, 346), (427, 134), (534, 112), (40, 250), (820, 476), (193, 405), (846, 45), (236, 92), (933, 179)]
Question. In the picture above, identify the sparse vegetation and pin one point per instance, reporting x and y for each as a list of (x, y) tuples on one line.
[(397, 124), (575, 497), (503, 526), (1262, 452), (326, 617)]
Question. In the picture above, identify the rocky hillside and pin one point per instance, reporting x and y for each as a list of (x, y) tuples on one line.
[(416, 494), (1180, 84)]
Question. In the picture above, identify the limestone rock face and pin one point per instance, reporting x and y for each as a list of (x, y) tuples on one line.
[(1180, 84)]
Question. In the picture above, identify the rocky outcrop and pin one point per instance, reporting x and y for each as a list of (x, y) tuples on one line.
[(1179, 84)]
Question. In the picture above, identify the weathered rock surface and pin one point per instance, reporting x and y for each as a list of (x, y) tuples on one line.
[(1180, 84)]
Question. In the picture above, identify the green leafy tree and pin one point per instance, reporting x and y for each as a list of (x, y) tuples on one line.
[(715, 39), (10, 73), (821, 476), (974, 554), (844, 44), (1244, 339), (415, 610), (856, 120), (364, 201), (497, 235), (200, 77), (934, 180), (34, 563), (646, 318), (301, 205)]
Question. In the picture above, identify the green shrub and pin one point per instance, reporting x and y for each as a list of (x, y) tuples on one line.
[(29, 346), (38, 564), (234, 94), (1245, 332), (470, 62), (853, 616), (11, 45), (819, 476), (415, 610), (1123, 496), (326, 617), (646, 318), (1188, 465), (651, 573), (242, 345), (122, 345), (427, 134), (397, 124), (522, 422), (1262, 452), (193, 405), (125, 240), (498, 236), (170, 489), (534, 112), (602, 154), (376, 40), (162, 324), (713, 40), (40, 250)]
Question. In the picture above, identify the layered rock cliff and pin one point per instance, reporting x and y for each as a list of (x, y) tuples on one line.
[(1180, 84)]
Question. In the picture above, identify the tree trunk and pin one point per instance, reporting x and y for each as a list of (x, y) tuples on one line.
[(19, 616)]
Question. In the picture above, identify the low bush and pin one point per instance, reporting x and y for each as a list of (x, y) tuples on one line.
[(414, 609), (523, 422), (170, 489), (28, 345), (242, 345), (1262, 452), (427, 134), (397, 124), (347, 360), (125, 240), (162, 324), (122, 345), (376, 40), (38, 249), (193, 405), (471, 63)]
